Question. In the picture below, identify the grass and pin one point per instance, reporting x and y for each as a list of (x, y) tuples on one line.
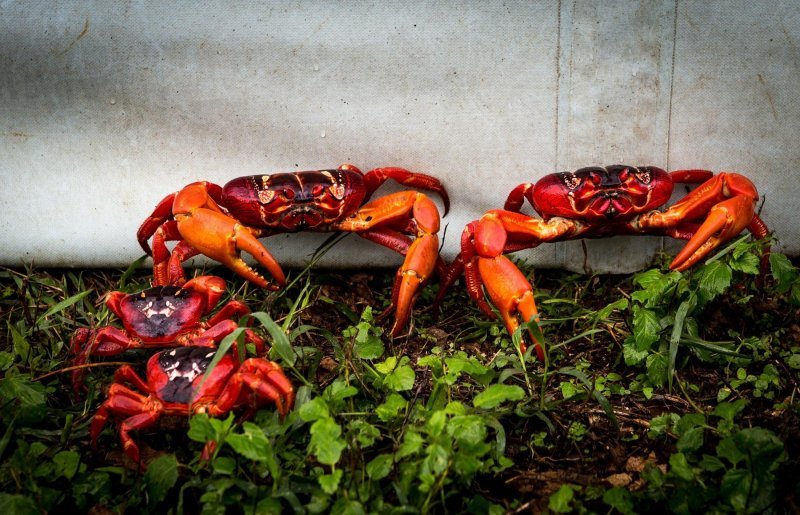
[(661, 391)]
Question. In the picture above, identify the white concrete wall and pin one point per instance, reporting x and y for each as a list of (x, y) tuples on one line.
[(107, 106)]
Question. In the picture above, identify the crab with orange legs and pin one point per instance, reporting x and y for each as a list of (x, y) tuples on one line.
[(159, 317), (220, 222), (597, 202), (176, 385)]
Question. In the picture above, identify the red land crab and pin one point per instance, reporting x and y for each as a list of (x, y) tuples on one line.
[(162, 316), (175, 385), (220, 222), (596, 202)]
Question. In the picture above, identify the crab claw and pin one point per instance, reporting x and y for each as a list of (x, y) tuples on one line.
[(209, 231), (725, 220), (511, 294)]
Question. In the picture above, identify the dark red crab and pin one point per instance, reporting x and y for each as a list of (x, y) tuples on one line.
[(176, 386), (597, 202), (220, 222), (163, 316)]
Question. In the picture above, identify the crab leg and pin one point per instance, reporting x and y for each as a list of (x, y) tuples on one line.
[(264, 379), (375, 178), (727, 201), (126, 402), (209, 231), (420, 257), (483, 244), (160, 215)]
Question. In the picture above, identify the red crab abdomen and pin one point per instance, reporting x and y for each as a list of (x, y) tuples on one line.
[(299, 201), (614, 193)]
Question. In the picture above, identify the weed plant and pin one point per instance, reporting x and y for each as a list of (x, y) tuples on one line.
[(660, 390)]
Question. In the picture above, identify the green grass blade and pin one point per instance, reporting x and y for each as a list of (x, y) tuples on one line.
[(280, 342), (675, 338), (61, 306)]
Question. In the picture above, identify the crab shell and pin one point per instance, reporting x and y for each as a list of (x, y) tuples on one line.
[(593, 194), (302, 201)]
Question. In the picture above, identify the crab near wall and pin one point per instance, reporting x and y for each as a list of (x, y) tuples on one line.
[(220, 222), (591, 203)]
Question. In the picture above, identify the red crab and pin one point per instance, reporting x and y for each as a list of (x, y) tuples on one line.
[(176, 385), (163, 316), (596, 202), (220, 222)]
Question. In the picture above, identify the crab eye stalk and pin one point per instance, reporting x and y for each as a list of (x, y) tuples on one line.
[(643, 175), (266, 196)]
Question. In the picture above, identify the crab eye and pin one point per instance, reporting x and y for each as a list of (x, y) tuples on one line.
[(317, 190), (643, 176), (624, 174), (288, 193), (337, 190), (571, 180), (266, 196)]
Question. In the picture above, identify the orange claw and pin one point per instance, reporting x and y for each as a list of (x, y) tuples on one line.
[(205, 228), (725, 220), (408, 212), (724, 205), (511, 293)]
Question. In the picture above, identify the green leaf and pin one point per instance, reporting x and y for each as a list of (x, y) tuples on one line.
[(561, 500), (337, 392), (620, 499), (200, 428), (783, 271), (745, 261), (618, 305), (368, 343), (18, 504), (391, 407), (387, 366), (66, 463), (252, 443), (435, 423), (656, 369), (161, 475), (365, 433), (646, 328), (224, 465), (22, 389), (568, 389), (690, 440), (380, 466), (496, 394), (314, 409), (330, 482), (680, 467), (715, 278), (20, 344), (661, 424), (399, 377), (412, 443), (729, 410), (325, 442)]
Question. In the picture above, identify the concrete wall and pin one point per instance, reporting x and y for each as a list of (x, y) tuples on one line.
[(105, 107)]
